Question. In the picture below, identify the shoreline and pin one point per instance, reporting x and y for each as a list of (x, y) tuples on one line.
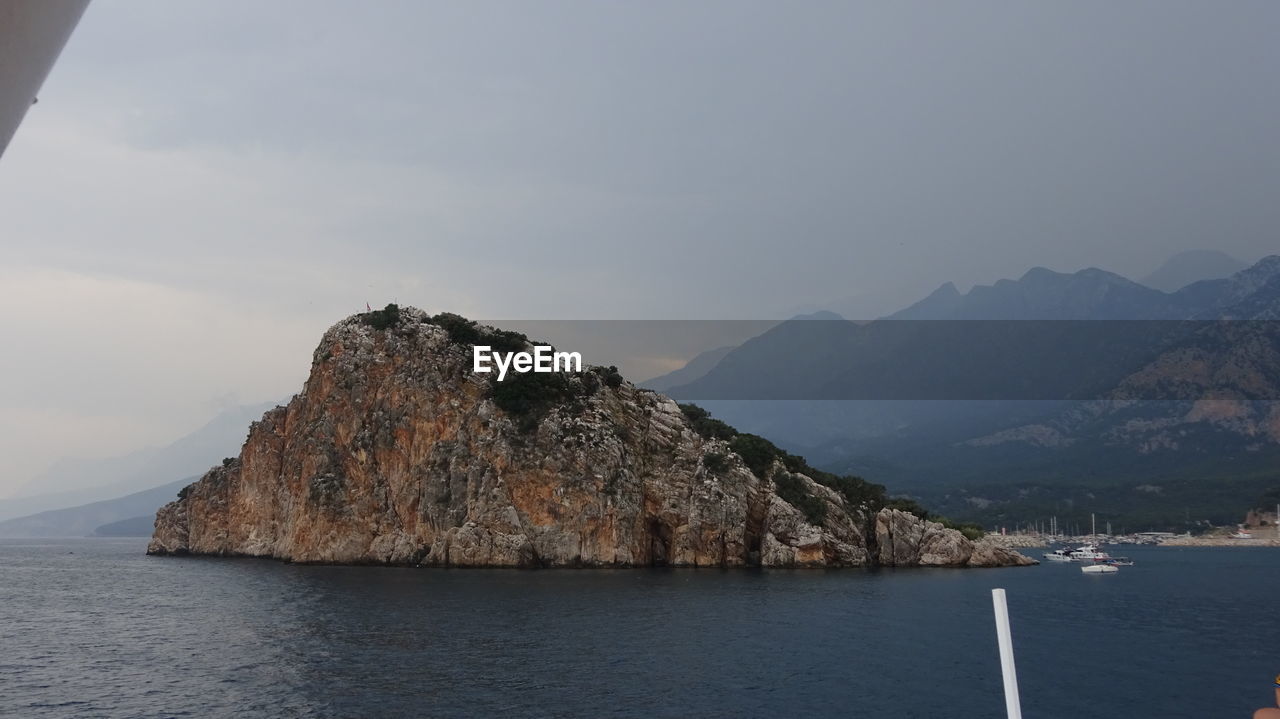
[(1220, 542)]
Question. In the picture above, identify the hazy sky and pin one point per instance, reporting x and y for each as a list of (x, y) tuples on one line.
[(206, 186)]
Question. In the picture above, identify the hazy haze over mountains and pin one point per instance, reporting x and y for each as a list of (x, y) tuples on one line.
[(803, 360), (696, 367), (84, 519), (1192, 266), (77, 481), (1043, 294)]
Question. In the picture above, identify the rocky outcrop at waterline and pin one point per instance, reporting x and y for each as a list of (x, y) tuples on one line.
[(396, 452), (905, 540)]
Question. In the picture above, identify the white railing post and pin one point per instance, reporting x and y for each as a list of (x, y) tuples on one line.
[(1011, 703)]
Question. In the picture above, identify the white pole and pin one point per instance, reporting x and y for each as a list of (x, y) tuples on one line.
[(1011, 703)]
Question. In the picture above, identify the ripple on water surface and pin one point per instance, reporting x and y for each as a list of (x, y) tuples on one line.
[(92, 627)]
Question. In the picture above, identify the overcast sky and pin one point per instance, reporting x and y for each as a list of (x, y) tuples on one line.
[(206, 186)]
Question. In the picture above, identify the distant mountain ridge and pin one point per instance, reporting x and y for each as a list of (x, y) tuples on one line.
[(1192, 266), (84, 520), (141, 526), (922, 443), (692, 370), (1042, 294), (74, 482), (835, 359), (1251, 293), (1094, 294)]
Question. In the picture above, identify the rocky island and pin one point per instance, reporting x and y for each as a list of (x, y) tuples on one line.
[(396, 452)]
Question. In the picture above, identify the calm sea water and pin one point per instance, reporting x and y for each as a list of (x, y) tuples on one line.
[(92, 628)]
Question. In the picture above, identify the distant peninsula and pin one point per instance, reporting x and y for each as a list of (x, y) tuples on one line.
[(397, 452)]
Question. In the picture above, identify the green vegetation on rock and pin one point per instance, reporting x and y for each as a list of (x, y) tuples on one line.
[(715, 462), (704, 424), (525, 393), (759, 454), (791, 489), (972, 530), (382, 319), (468, 332)]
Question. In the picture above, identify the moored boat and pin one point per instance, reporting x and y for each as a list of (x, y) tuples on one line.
[(1089, 553), (1100, 569)]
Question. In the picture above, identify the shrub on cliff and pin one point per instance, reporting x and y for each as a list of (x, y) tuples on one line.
[(715, 462), (791, 489), (910, 506), (382, 319), (857, 492), (972, 532), (757, 452), (705, 425), (467, 332), (533, 393), (611, 376)]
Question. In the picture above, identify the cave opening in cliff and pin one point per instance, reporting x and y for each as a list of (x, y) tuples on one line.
[(753, 548), (753, 530), (659, 544)]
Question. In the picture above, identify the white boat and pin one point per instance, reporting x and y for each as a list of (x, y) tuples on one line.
[(1099, 569), (1058, 555), (1241, 534), (1089, 553)]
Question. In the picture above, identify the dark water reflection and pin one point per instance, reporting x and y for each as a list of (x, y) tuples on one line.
[(93, 628)]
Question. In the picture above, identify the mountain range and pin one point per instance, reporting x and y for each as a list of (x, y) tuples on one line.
[(78, 482), (1094, 294), (1185, 268), (138, 509), (1061, 380), (700, 365)]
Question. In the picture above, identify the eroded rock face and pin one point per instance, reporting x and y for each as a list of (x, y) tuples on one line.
[(904, 540), (395, 452), (988, 552)]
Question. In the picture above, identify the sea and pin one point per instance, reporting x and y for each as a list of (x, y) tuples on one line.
[(94, 628)]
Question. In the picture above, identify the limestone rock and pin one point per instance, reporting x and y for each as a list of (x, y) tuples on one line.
[(988, 552), (905, 540), (396, 452)]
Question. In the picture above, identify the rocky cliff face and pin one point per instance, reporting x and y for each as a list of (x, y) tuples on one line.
[(397, 452), (906, 541)]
